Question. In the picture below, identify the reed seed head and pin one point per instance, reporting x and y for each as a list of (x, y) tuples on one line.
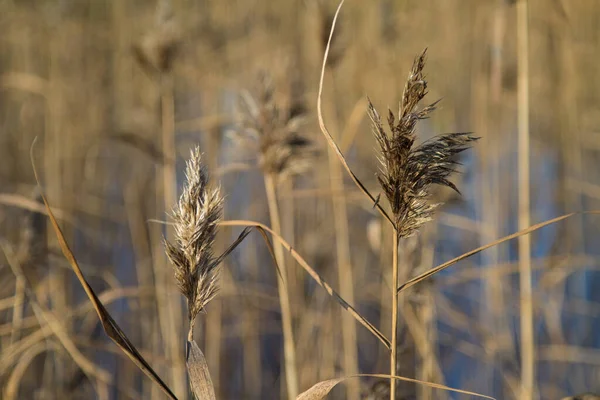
[(158, 48), (196, 216), (273, 131), (408, 172)]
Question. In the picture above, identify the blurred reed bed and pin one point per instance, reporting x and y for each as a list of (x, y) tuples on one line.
[(118, 93)]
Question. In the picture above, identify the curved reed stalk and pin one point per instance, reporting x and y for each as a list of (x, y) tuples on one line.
[(407, 172)]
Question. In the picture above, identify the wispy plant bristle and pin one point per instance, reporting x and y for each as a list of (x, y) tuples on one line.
[(408, 172), (195, 218)]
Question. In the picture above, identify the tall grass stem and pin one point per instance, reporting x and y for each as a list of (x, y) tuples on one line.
[(395, 294), (527, 330), (289, 350), (172, 320)]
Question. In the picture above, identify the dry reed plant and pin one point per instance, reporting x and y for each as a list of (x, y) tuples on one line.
[(272, 131), (408, 172), (271, 128), (69, 73), (196, 268)]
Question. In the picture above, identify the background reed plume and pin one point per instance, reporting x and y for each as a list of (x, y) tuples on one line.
[(407, 173), (271, 127), (195, 219)]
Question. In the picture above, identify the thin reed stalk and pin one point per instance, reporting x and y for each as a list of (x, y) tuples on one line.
[(526, 303), (58, 282), (173, 318), (345, 274), (155, 53), (289, 350), (395, 294), (342, 246), (213, 332)]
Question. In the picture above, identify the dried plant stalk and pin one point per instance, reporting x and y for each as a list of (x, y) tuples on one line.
[(345, 273), (289, 346), (526, 316), (394, 354), (155, 53), (408, 172)]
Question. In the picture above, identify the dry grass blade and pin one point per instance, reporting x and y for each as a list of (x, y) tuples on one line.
[(447, 264), (56, 327), (321, 389), (28, 204), (11, 388), (326, 133), (110, 326), (315, 276), (237, 242), (584, 396), (200, 381), (233, 245), (26, 82)]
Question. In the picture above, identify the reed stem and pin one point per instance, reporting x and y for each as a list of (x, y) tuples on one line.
[(394, 315), (171, 321), (345, 272), (289, 351), (527, 330)]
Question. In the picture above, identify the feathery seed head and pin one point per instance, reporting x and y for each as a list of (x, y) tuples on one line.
[(196, 215), (407, 172), (157, 49), (272, 130)]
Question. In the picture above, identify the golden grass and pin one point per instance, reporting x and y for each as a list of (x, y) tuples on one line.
[(119, 92)]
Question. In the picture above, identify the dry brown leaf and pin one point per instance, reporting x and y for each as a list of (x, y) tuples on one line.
[(108, 323), (314, 275), (16, 200), (238, 241), (322, 389), (447, 264), (202, 385), (319, 390)]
